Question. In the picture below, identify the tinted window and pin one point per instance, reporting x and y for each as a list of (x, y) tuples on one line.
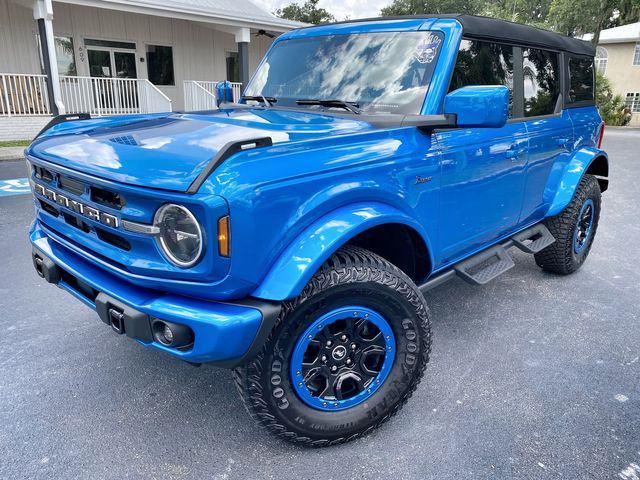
[(233, 67), (483, 63), (541, 81), (580, 79), (380, 72), (160, 65)]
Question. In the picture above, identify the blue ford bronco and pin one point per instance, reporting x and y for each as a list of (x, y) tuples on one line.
[(291, 236)]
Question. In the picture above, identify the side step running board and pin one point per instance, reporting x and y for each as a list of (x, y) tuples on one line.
[(533, 239), (484, 266)]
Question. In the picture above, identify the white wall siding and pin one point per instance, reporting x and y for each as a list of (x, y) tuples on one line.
[(199, 50), (21, 128), (18, 43)]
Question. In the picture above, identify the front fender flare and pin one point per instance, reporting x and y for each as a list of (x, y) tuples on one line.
[(309, 250), (570, 178)]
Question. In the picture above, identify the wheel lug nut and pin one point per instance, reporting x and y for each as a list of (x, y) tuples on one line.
[(343, 337), (348, 361), (334, 368), (323, 358), (353, 346), (328, 343)]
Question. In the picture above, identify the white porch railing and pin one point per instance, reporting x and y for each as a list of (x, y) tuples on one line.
[(112, 96), (23, 94), (201, 95), (197, 98)]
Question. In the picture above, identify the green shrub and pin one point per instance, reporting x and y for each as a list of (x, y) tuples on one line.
[(612, 107)]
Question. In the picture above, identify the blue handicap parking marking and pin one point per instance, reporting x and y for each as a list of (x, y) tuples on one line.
[(16, 186)]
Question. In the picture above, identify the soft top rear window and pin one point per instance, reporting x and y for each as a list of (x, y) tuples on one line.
[(581, 80)]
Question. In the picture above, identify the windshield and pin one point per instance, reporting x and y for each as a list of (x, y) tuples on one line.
[(386, 72)]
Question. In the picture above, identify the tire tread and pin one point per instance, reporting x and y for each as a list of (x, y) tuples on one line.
[(349, 264)]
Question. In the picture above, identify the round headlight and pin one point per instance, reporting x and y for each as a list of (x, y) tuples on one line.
[(179, 236)]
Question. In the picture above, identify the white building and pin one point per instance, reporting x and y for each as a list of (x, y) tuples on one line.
[(123, 56), (618, 58)]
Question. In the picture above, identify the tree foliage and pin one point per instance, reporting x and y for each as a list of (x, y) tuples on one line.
[(308, 12), (416, 7), (571, 17)]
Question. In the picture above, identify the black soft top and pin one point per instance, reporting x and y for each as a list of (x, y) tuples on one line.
[(504, 31)]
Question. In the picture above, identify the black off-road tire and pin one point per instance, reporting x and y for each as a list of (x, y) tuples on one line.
[(351, 276), (560, 257)]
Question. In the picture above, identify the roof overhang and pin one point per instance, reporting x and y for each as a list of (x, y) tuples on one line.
[(619, 40), (184, 13)]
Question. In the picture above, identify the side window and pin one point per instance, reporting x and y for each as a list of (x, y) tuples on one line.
[(483, 63), (541, 81), (580, 79)]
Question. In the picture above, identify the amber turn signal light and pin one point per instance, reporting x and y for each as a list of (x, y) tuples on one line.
[(223, 236)]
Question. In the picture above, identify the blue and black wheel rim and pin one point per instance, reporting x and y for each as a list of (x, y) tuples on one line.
[(584, 226), (342, 358)]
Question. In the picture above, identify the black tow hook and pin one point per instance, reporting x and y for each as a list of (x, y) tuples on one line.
[(116, 317), (45, 268)]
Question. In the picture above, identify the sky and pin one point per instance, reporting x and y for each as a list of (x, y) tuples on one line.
[(339, 8)]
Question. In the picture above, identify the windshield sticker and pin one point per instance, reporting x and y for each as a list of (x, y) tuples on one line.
[(425, 51)]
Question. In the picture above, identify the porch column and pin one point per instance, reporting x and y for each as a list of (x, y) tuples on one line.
[(243, 37), (43, 13)]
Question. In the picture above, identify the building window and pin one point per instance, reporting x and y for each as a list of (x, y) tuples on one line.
[(65, 55), (541, 81), (160, 65), (633, 102), (233, 67), (636, 54), (601, 59), (93, 42)]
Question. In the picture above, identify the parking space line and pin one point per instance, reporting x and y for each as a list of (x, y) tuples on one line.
[(16, 186)]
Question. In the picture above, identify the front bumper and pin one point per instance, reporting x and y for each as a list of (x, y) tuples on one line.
[(225, 333)]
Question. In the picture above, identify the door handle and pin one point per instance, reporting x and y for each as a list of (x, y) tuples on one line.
[(514, 152)]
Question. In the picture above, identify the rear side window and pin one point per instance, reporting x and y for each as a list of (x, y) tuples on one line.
[(581, 74), (541, 81), (483, 63)]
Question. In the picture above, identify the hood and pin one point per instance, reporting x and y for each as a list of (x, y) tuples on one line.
[(169, 151)]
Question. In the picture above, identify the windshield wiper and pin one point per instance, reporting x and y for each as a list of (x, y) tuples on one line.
[(268, 101), (350, 106)]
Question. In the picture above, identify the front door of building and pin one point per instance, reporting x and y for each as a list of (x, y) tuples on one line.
[(112, 69)]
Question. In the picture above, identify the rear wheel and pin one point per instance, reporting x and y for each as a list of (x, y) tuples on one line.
[(574, 230), (344, 356)]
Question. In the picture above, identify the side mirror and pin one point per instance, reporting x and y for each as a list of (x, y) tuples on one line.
[(479, 105), (224, 92)]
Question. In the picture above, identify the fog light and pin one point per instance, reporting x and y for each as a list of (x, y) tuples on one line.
[(171, 334), (168, 334)]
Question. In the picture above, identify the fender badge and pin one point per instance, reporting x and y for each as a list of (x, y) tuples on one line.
[(420, 179)]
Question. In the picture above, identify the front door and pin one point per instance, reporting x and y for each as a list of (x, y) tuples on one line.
[(481, 188), (483, 169), (113, 96)]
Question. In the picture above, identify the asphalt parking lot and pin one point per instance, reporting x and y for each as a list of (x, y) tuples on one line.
[(532, 376)]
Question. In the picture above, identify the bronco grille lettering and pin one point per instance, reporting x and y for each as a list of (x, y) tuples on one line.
[(77, 207)]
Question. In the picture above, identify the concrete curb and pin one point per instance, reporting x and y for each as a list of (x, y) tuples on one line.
[(11, 154)]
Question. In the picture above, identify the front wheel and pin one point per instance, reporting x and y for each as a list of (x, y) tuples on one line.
[(574, 230), (344, 356)]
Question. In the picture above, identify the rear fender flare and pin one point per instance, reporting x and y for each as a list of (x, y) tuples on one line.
[(570, 177), (309, 250)]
